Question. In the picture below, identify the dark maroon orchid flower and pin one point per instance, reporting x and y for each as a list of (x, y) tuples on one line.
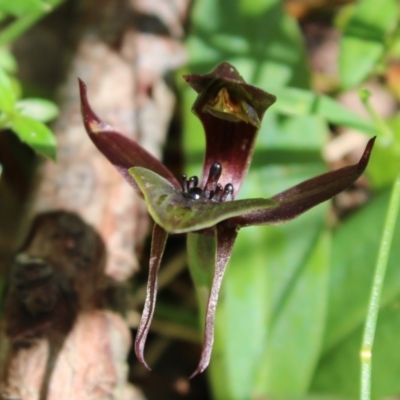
[(231, 112)]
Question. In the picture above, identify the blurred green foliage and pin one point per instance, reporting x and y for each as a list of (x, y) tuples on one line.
[(294, 299), (25, 117)]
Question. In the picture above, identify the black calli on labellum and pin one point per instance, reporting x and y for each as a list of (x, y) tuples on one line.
[(231, 112)]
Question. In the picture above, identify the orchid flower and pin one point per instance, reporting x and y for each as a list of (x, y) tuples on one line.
[(231, 112)]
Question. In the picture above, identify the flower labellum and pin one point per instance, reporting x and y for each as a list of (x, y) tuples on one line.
[(231, 112)]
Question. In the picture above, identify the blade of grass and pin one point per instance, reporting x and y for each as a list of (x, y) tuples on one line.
[(374, 303)]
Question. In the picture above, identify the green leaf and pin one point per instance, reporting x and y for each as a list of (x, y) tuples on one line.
[(260, 45), (364, 39), (293, 101), (385, 154), (355, 247), (253, 7), (7, 93), (178, 214), (242, 318), (202, 268), (21, 7), (35, 134), (262, 274), (38, 109), (28, 13), (297, 330), (7, 61)]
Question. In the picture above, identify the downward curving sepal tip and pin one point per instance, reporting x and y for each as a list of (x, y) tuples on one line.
[(226, 237), (139, 352), (157, 250)]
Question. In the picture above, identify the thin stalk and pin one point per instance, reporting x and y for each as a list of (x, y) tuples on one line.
[(384, 131), (18, 27), (22, 24), (374, 302)]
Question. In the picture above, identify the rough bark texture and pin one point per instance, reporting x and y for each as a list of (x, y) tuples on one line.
[(60, 338), (58, 327)]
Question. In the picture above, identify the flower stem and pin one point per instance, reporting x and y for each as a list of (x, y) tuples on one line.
[(374, 302), (384, 131)]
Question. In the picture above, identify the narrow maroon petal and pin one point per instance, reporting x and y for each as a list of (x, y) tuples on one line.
[(120, 150), (225, 240), (300, 198), (157, 249)]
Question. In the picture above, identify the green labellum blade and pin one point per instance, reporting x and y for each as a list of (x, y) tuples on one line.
[(178, 214)]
